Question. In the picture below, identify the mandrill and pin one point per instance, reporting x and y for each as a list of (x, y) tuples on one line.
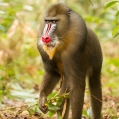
[(70, 49)]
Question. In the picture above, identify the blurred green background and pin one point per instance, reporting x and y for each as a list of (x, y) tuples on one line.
[(20, 61)]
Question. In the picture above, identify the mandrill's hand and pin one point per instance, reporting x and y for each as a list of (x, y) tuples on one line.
[(42, 106)]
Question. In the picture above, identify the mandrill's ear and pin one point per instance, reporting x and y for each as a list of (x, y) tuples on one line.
[(68, 13)]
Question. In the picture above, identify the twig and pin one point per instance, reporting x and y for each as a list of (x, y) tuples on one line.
[(27, 108), (116, 35), (94, 96), (9, 108), (91, 2), (64, 108), (97, 98)]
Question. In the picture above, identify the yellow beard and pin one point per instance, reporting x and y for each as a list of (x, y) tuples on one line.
[(50, 51)]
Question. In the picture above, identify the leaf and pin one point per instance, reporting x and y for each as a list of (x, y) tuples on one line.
[(51, 113), (116, 35), (53, 107), (16, 86), (84, 113), (22, 94), (115, 31), (2, 28), (117, 14), (52, 95), (110, 4)]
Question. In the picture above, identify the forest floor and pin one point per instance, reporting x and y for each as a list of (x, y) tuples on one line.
[(19, 109)]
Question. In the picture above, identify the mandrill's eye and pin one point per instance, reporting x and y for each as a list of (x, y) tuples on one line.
[(47, 21), (54, 21), (51, 21)]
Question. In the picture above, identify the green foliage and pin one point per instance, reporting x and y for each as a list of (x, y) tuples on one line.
[(111, 67), (8, 14), (115, 31), (111, 4), (2, 28), (33, 109), (54, 102)]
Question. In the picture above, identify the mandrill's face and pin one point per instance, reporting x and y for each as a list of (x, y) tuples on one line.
[(53, 29)]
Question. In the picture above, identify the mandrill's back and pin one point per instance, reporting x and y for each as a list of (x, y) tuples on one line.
[(94, 49)]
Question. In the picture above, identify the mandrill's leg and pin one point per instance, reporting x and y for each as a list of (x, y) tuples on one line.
[(66, 103), (96, 93)]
